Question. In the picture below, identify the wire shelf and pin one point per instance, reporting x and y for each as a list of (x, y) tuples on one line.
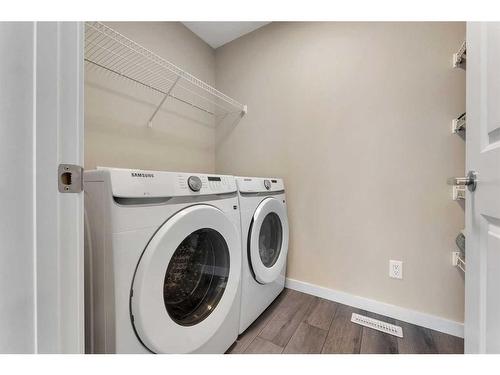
[(107, 49)]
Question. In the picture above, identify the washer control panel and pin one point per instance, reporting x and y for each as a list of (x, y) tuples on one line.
[(140, 183), (206, 184)]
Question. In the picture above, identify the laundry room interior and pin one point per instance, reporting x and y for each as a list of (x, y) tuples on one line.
[(355, 119)]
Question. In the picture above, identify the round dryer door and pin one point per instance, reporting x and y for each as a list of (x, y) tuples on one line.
[(186, 281), (268, 240)]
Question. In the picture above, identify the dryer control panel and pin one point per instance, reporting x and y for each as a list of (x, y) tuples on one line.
[(133, 183), (259, 184)]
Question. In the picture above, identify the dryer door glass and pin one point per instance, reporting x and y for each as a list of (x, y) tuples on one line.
[(270, 238), (268, 241), (196, 277)]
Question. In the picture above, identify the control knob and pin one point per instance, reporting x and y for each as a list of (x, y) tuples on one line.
[(194, 183)]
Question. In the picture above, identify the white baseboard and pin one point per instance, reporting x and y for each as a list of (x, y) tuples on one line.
[(400, 313)]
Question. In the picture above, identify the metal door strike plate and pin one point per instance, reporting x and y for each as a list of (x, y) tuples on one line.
[(70, 178)]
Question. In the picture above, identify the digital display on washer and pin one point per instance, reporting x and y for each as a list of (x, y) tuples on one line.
[(213, 178)]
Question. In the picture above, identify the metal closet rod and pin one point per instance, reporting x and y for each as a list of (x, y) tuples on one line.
[(151, 87)]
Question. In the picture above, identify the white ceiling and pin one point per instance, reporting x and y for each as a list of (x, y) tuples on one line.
[(217, 34)]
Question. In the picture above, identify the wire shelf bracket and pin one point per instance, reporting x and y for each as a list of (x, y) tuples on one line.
[(460, 57), (458, 125), (113, 52), (150, 122), (458, 261), (458, 193)]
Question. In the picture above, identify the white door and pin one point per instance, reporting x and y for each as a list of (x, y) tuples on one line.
[(482, 282), (41, 244), (187, 280), (268, 240)]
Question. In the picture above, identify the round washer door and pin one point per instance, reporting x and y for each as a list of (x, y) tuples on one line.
[(186, 280), (268, 245)]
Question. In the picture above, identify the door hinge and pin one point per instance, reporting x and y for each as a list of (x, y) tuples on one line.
[(70, 178)]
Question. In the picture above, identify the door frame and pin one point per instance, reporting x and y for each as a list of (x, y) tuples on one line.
[(58, 217), (41, 262)]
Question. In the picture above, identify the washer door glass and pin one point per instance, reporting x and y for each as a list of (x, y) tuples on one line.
[(270, 238), (196, 277), (187, 280)]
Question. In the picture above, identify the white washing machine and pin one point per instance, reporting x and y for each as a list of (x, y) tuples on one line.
[(264, 232), (163, 262)]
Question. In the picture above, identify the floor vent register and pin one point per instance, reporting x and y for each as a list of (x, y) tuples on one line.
[(379, 325)]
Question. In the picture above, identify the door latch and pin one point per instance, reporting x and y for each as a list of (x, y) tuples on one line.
[(70, 178)]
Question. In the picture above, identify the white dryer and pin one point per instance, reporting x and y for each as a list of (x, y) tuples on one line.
[(264, 232), (163, 262)]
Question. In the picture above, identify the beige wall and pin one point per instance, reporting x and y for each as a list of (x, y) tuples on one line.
[(356, 118), (116, 111)]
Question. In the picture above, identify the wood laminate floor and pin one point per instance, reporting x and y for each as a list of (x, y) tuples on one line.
[(300, 323)]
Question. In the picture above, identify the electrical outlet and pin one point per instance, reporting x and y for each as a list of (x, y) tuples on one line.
[(395, 269)]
